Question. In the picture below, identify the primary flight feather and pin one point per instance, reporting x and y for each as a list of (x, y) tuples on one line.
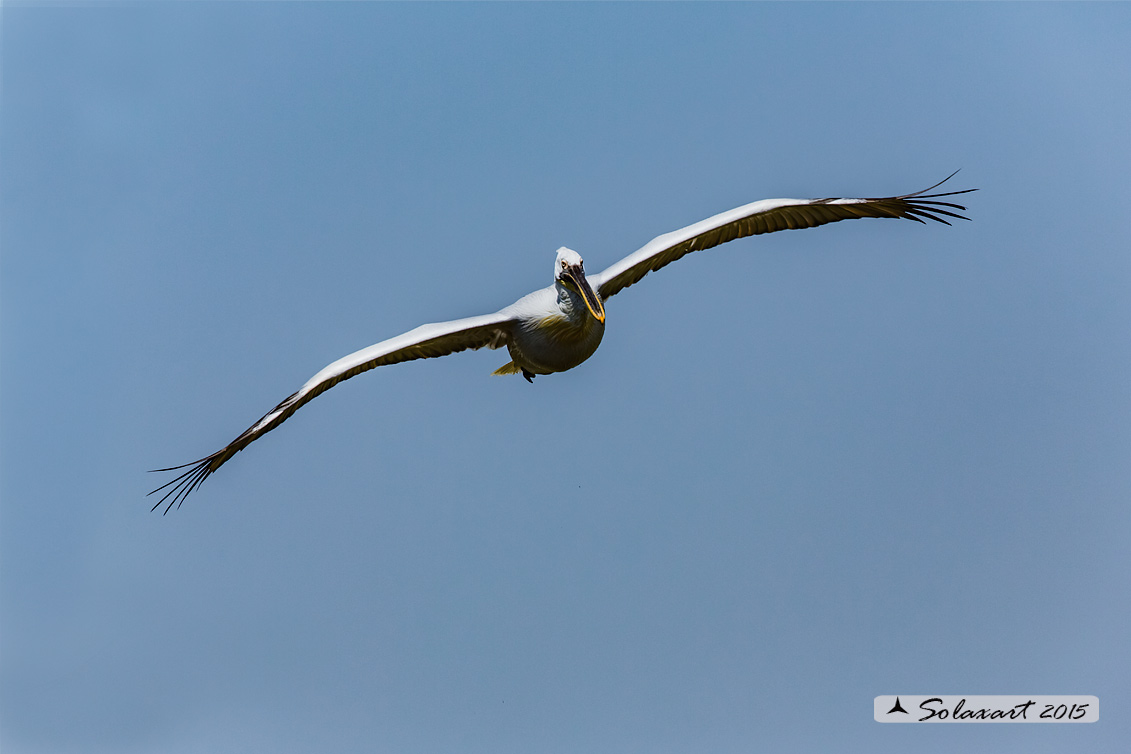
[(560, 326)]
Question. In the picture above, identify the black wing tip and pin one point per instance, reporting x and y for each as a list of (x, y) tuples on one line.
[(926, 205), (179, 488), (922, 194), (174, 468)]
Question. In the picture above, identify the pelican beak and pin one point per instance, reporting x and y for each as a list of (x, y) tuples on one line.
[(575, 279)]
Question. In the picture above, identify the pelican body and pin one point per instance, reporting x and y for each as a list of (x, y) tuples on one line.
[(558, 327)]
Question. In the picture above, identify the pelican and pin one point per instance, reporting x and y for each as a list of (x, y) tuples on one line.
[(560, 326)]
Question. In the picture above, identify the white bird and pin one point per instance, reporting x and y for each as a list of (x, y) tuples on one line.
[(558, 327)]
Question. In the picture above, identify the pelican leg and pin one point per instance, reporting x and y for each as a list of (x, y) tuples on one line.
[(529, 376)]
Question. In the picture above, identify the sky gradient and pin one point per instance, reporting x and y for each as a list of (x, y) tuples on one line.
[(801, 471)]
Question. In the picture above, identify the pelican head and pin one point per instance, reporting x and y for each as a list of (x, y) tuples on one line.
[(569, 272)]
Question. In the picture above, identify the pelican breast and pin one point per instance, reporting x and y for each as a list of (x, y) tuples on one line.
[(547, 339)]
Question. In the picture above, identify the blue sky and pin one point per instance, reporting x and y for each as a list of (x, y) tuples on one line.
[(802, 470)]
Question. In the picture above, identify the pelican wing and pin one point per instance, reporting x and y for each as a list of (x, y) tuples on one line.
[(768, 216), (425, 342)]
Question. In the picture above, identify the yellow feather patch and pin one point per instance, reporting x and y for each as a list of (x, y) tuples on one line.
[(509, 368)]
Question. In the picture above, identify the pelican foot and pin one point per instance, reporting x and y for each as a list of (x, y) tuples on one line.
[(529, 376)]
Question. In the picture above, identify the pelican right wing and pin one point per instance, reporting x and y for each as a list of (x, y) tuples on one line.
[(425, 342), (769, 216)]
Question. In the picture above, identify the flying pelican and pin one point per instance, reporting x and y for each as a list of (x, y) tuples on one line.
[(560, 326)]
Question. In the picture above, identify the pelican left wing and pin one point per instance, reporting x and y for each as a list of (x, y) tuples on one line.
[(768, 216), (425, 342)]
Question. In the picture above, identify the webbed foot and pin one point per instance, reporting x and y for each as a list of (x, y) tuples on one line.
[(529, 376)]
